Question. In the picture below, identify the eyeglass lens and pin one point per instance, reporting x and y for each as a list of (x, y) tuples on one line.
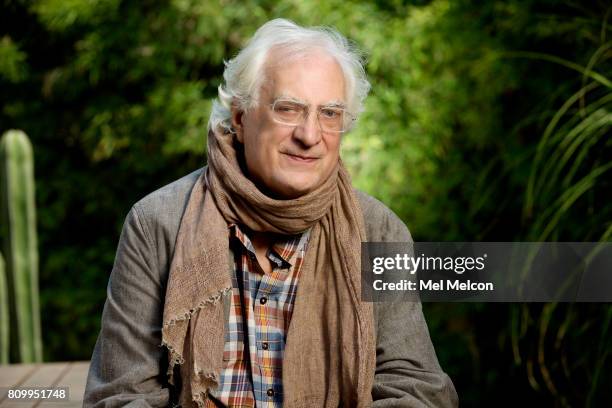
[(294, 114)]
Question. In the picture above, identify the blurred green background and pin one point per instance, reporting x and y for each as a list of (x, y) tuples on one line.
[(487, 121)]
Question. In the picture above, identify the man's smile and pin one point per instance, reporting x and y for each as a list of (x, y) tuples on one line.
[(301, 158)]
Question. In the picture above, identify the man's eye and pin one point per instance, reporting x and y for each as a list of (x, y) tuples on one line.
[(287, 108), (331, 113)]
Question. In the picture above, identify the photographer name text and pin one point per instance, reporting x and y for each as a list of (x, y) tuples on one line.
[(433, 285)]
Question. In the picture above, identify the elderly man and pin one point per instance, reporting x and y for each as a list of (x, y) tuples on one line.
[(239, 284)]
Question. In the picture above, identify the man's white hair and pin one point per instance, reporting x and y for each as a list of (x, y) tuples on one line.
[(244, 73)]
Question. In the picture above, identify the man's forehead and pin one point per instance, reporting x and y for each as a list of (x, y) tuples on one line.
[(291, 77)]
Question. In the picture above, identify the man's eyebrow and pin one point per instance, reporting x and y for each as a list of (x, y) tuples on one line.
[(286, 97), (334, 104), (331, 104)]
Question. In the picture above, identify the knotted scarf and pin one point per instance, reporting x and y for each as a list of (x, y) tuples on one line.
[(329, 356)]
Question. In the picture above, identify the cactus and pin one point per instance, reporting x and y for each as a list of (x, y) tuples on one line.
[(4, 316), (18, 221)]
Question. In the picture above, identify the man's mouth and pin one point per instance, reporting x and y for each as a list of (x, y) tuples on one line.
[(301, 158)]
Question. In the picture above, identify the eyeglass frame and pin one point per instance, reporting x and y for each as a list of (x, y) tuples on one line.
[(346, 125)]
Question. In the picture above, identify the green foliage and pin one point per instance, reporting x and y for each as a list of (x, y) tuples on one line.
[(18, 215), (571, 157), (437, 82), (568, 181), (485, 122), (12, 61)]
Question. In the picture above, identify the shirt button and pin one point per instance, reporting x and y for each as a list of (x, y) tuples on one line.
[(270, 392), (264, 346), (263, 300)]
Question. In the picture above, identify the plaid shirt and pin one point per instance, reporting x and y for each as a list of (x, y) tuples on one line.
[(252, 376)]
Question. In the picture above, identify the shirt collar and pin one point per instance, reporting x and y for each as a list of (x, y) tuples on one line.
[(283, 252)]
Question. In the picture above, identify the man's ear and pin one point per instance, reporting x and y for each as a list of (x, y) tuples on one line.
[(237, 116)]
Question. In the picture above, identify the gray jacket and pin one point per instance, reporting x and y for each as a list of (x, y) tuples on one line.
[(128, 366)]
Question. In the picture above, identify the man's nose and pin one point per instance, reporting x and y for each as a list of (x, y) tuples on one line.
[(309, 132)]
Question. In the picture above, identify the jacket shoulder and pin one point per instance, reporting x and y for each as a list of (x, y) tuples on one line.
[(160, 213), (382, 224), (174, 194)]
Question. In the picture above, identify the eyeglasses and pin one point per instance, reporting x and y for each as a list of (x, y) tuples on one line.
[(333, 119)]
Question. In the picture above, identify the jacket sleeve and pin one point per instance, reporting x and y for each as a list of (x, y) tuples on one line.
[(407, 370), (128, 365)]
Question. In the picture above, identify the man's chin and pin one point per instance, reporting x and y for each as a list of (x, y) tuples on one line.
[(294, 188)]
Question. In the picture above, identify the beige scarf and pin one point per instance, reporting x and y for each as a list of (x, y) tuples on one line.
[(329, 356)]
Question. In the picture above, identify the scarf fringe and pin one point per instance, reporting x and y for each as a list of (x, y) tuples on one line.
[(211, 300), (177, 357), (200, 398), (210, 379)]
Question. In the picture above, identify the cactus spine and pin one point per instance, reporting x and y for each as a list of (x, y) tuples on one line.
[(20, 244)]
